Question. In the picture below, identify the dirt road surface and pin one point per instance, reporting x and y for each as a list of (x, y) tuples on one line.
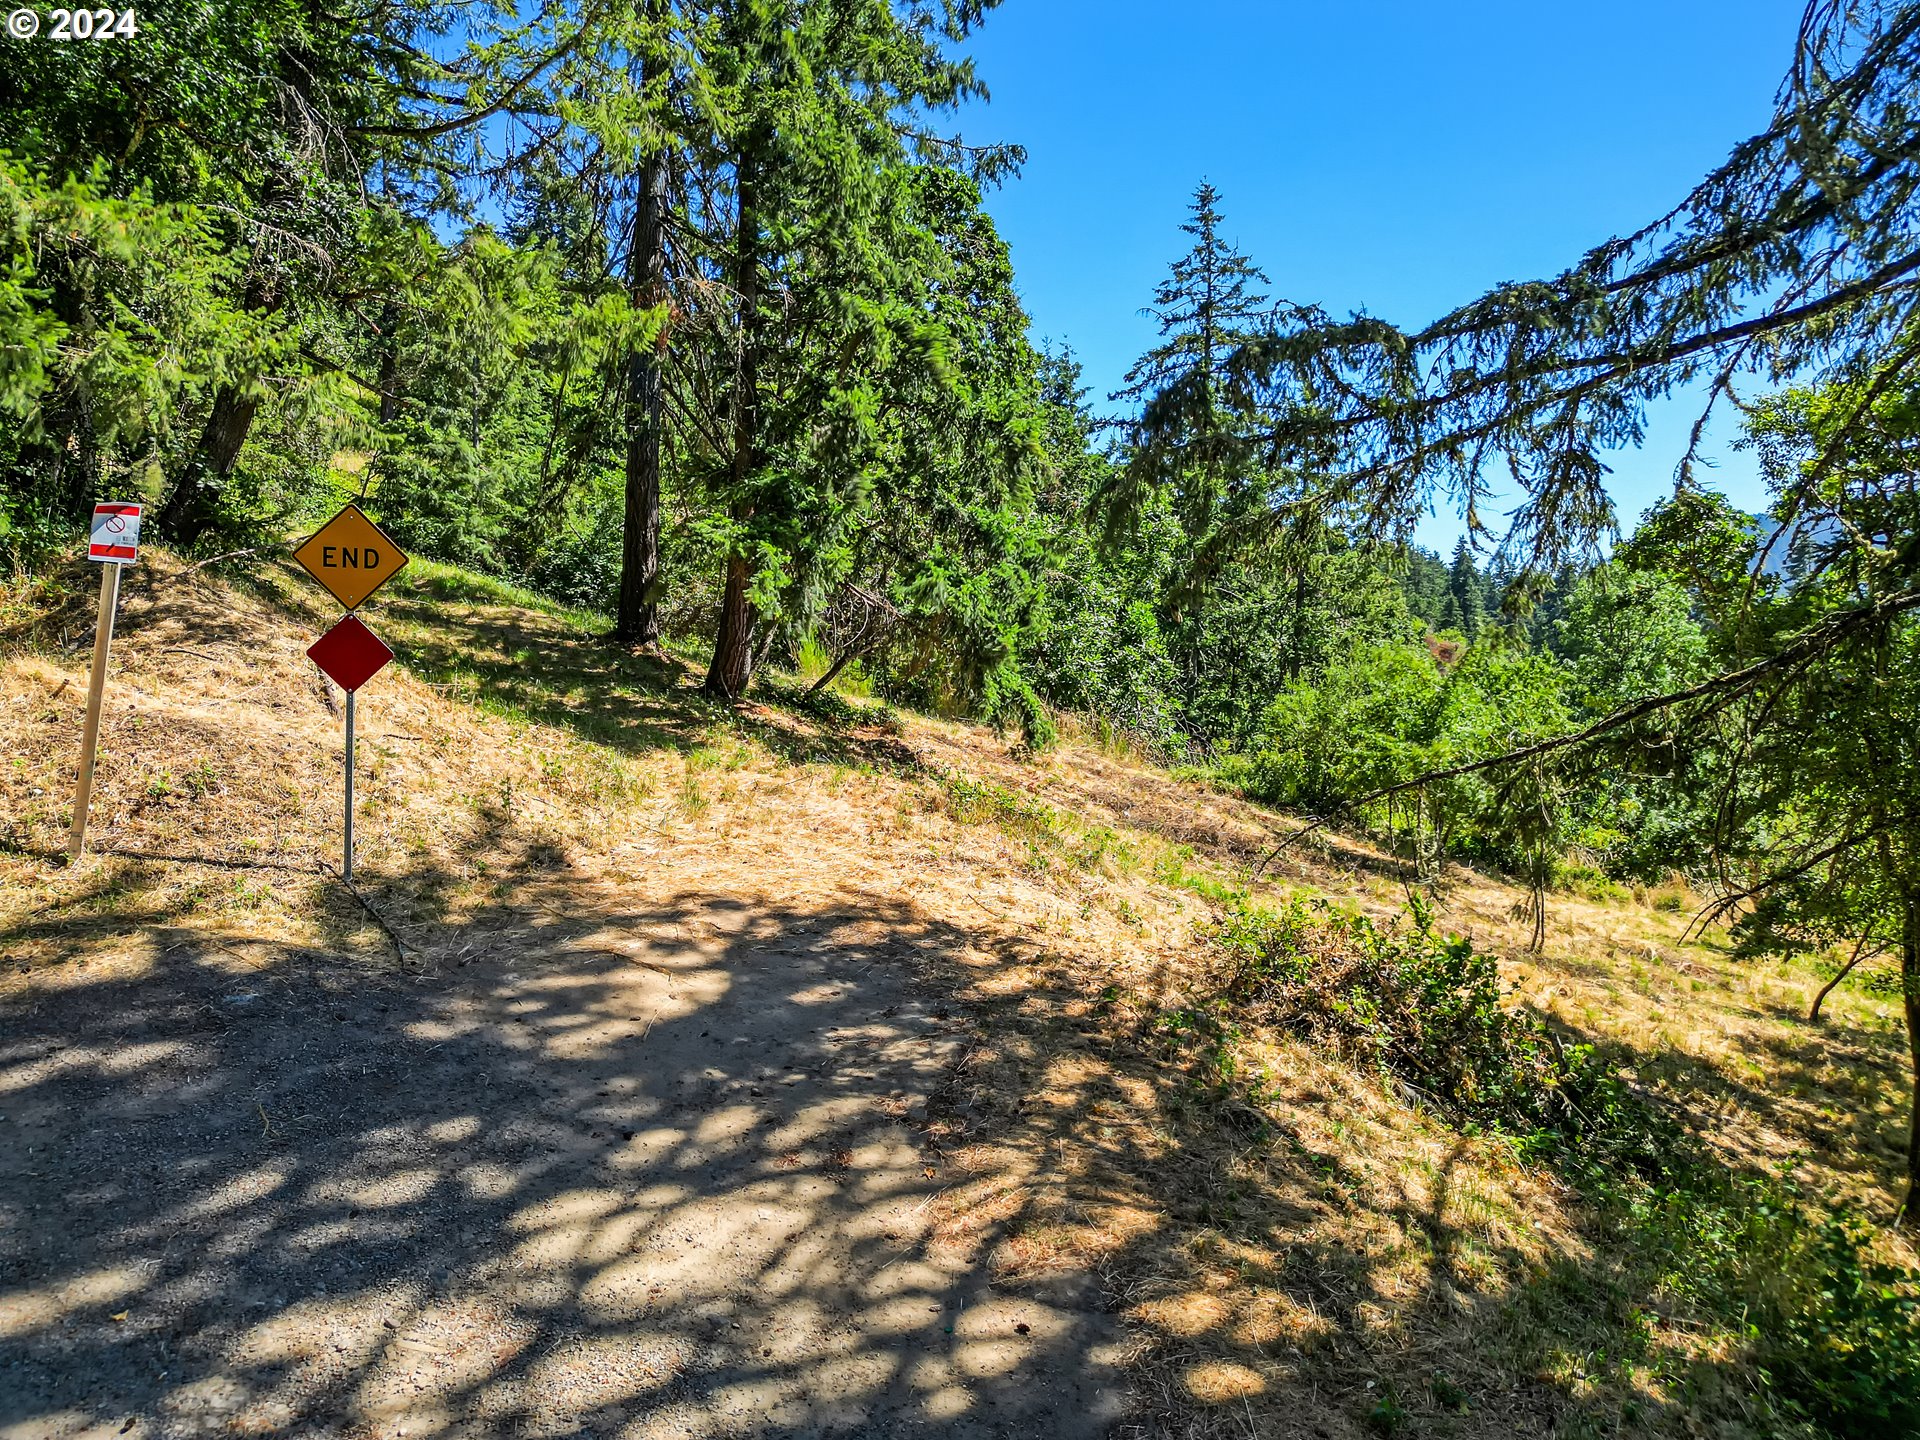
[(646, 1174)]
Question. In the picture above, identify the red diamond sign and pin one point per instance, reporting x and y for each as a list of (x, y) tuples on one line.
[(350, 654)]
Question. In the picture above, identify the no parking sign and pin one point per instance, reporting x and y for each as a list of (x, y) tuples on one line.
[(115, 537)]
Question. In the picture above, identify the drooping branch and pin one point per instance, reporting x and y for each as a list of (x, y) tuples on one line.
[(1713, 695), (1801, 254), (467, 118)]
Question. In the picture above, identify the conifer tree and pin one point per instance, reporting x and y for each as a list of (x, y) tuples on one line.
[(1193, 439), (833, 105), (249, 116), (611, 132), (1797, 255), (637, 610), (1423, 580), (1466, 607)]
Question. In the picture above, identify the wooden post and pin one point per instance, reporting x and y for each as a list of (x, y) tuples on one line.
[(96, 695)]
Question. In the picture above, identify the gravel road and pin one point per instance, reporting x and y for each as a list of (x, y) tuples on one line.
[(649, 1175)]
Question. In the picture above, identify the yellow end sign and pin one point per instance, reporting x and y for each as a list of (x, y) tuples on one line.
[(351, 556)]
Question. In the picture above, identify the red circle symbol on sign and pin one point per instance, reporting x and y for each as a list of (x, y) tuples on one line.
[(114, 525)]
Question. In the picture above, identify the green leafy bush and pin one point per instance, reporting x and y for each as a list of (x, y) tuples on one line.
[(1843, 1345), (30, 534), (1391, 711), (1429, 1011), (1833, 1334)]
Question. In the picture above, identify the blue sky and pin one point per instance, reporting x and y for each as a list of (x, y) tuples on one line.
[(1393, 157)]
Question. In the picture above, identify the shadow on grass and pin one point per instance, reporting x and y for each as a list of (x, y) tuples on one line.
[(670, 1169), (171, 857), (1841, 1096), (1271, 1292), (474, 643)]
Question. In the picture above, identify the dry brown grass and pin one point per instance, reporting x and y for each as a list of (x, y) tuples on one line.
[(1284, 1269), (1723, 1039), (1371, 1250)]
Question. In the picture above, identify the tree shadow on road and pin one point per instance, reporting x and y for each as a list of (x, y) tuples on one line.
[(657, 1172)]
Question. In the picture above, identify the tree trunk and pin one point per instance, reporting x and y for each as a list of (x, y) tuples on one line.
[(65, 465), (637, 618), (194, 505), (1295, 661), (732, 668), (389, 363), (1909, 1216), (1813, 1015)]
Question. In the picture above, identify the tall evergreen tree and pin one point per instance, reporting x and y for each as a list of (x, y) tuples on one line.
[(834, 99), (637, 610), (1194, 439), (610, 138), (1467, 608), (1423, 580)]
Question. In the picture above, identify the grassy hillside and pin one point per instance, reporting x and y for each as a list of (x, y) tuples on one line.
[(1297, 1244)]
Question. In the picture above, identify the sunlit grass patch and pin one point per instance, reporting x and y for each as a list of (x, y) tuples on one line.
[(1050, 836), (454, 584), (691, 798)]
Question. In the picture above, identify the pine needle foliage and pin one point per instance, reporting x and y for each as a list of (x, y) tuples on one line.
[(1799, 255)]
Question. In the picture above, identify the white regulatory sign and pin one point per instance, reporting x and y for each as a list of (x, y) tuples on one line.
[(116, 533)]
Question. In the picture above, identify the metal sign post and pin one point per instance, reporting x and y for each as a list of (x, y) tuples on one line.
[(346, 859), (114, 541), (349, 655), (352, 557)]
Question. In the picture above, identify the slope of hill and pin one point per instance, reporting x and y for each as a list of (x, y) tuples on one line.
[(696, 1070)]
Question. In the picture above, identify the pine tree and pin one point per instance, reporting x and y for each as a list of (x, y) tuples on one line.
[(1466, 591), (1191, 451), (1194, 435), (613, 136), (319, 145), (1423, 580)]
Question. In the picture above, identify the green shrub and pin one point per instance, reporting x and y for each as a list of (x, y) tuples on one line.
[(32, 534), (1427, 1010), (1831, 1334), (1843, 1346), (1388, 1416), (981, 802), (1590, 882), (1388, 712)]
